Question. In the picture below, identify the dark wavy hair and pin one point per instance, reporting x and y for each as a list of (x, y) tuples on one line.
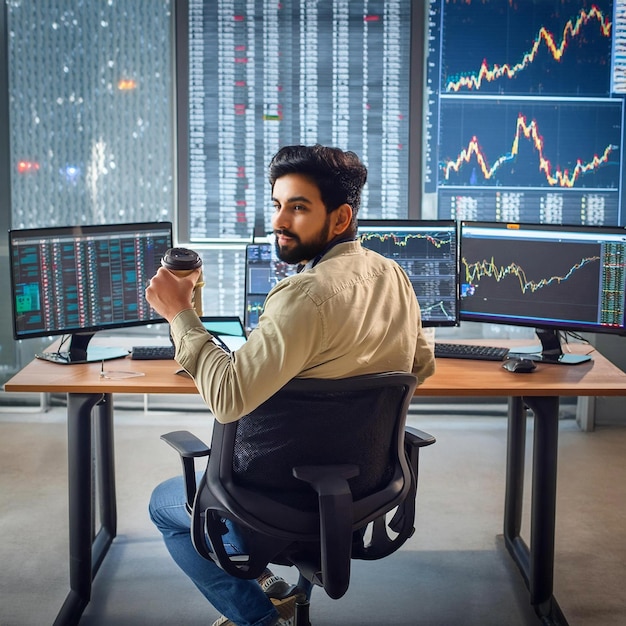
[(338, 174)]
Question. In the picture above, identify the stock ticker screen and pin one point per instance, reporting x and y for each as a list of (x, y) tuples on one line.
[(263, 271), (544, 275), (262, 75), (525, 110), (428, 251), (77, 278)]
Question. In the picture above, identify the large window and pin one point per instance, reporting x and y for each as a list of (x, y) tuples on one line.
[(90, 86), (485, 110), (89, 92)]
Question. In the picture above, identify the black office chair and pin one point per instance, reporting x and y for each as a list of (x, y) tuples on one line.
[(309, 477)]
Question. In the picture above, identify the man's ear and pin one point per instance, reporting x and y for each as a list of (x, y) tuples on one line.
[(343, 219)]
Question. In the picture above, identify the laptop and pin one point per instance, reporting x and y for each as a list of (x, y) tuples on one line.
[(228, 330)]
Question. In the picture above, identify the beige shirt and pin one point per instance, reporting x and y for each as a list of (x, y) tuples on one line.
[(354, 313)]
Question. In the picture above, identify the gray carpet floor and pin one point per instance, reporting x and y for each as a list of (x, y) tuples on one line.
[(455, 570)]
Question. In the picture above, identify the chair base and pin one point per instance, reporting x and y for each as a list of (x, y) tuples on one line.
[(301, 615)]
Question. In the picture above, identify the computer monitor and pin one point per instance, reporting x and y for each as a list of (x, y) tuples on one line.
[(550, 277), (263, 271), (77, 280), (428, 251)]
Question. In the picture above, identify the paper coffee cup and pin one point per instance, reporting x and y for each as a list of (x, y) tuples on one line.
[(182, 262)]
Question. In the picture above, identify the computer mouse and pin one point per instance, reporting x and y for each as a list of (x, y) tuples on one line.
[(519, 366)]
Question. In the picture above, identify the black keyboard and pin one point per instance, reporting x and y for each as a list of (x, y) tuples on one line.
[(152, 353), (466, 351)]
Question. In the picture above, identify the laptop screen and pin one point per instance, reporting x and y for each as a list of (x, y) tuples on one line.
[(228, 330)]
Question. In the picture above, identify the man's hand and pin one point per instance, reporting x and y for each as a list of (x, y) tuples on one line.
[(169, 294)]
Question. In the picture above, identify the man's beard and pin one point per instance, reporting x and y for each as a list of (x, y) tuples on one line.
[(302, 251)]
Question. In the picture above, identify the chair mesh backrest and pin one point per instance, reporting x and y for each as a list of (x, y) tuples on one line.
[(294, 428)]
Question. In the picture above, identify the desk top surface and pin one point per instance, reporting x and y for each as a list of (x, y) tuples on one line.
[(454, 377)]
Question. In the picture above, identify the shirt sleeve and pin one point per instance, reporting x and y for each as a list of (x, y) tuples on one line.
[(424, 361), (276, 351)]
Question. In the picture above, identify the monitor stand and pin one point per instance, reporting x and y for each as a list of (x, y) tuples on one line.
[(80, 352), (551, 351)]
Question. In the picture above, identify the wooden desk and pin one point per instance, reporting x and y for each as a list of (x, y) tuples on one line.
[(539, 391), (454, 377)]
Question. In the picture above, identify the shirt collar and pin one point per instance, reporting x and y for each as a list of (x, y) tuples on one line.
[(313, 262)]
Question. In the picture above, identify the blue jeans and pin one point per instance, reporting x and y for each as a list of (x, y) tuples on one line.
[(242, 601)]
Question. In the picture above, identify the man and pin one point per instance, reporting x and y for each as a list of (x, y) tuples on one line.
[(348, 312)]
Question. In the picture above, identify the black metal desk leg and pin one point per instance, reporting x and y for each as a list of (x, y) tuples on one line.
[(105, 468), (80, 475), (542, 529), (537, 563), (514, 494)]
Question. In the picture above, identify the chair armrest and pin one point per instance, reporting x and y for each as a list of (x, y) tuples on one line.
[(188, 447), (417, 438), (186, 444), (335, 509)]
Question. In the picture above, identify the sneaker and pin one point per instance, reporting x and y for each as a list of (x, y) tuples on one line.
[(284, 597), (277, 587), (224, 621), (285, 605)]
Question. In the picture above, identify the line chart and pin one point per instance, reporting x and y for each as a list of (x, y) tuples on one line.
[(474, 272), (376, 240), (572, 29), (528, 130), (527, 48), (558, 145), (438, 310), (537, 278)]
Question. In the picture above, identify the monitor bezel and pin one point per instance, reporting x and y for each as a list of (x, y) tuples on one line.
[(562, 326), (68, 231), (426, 224)]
